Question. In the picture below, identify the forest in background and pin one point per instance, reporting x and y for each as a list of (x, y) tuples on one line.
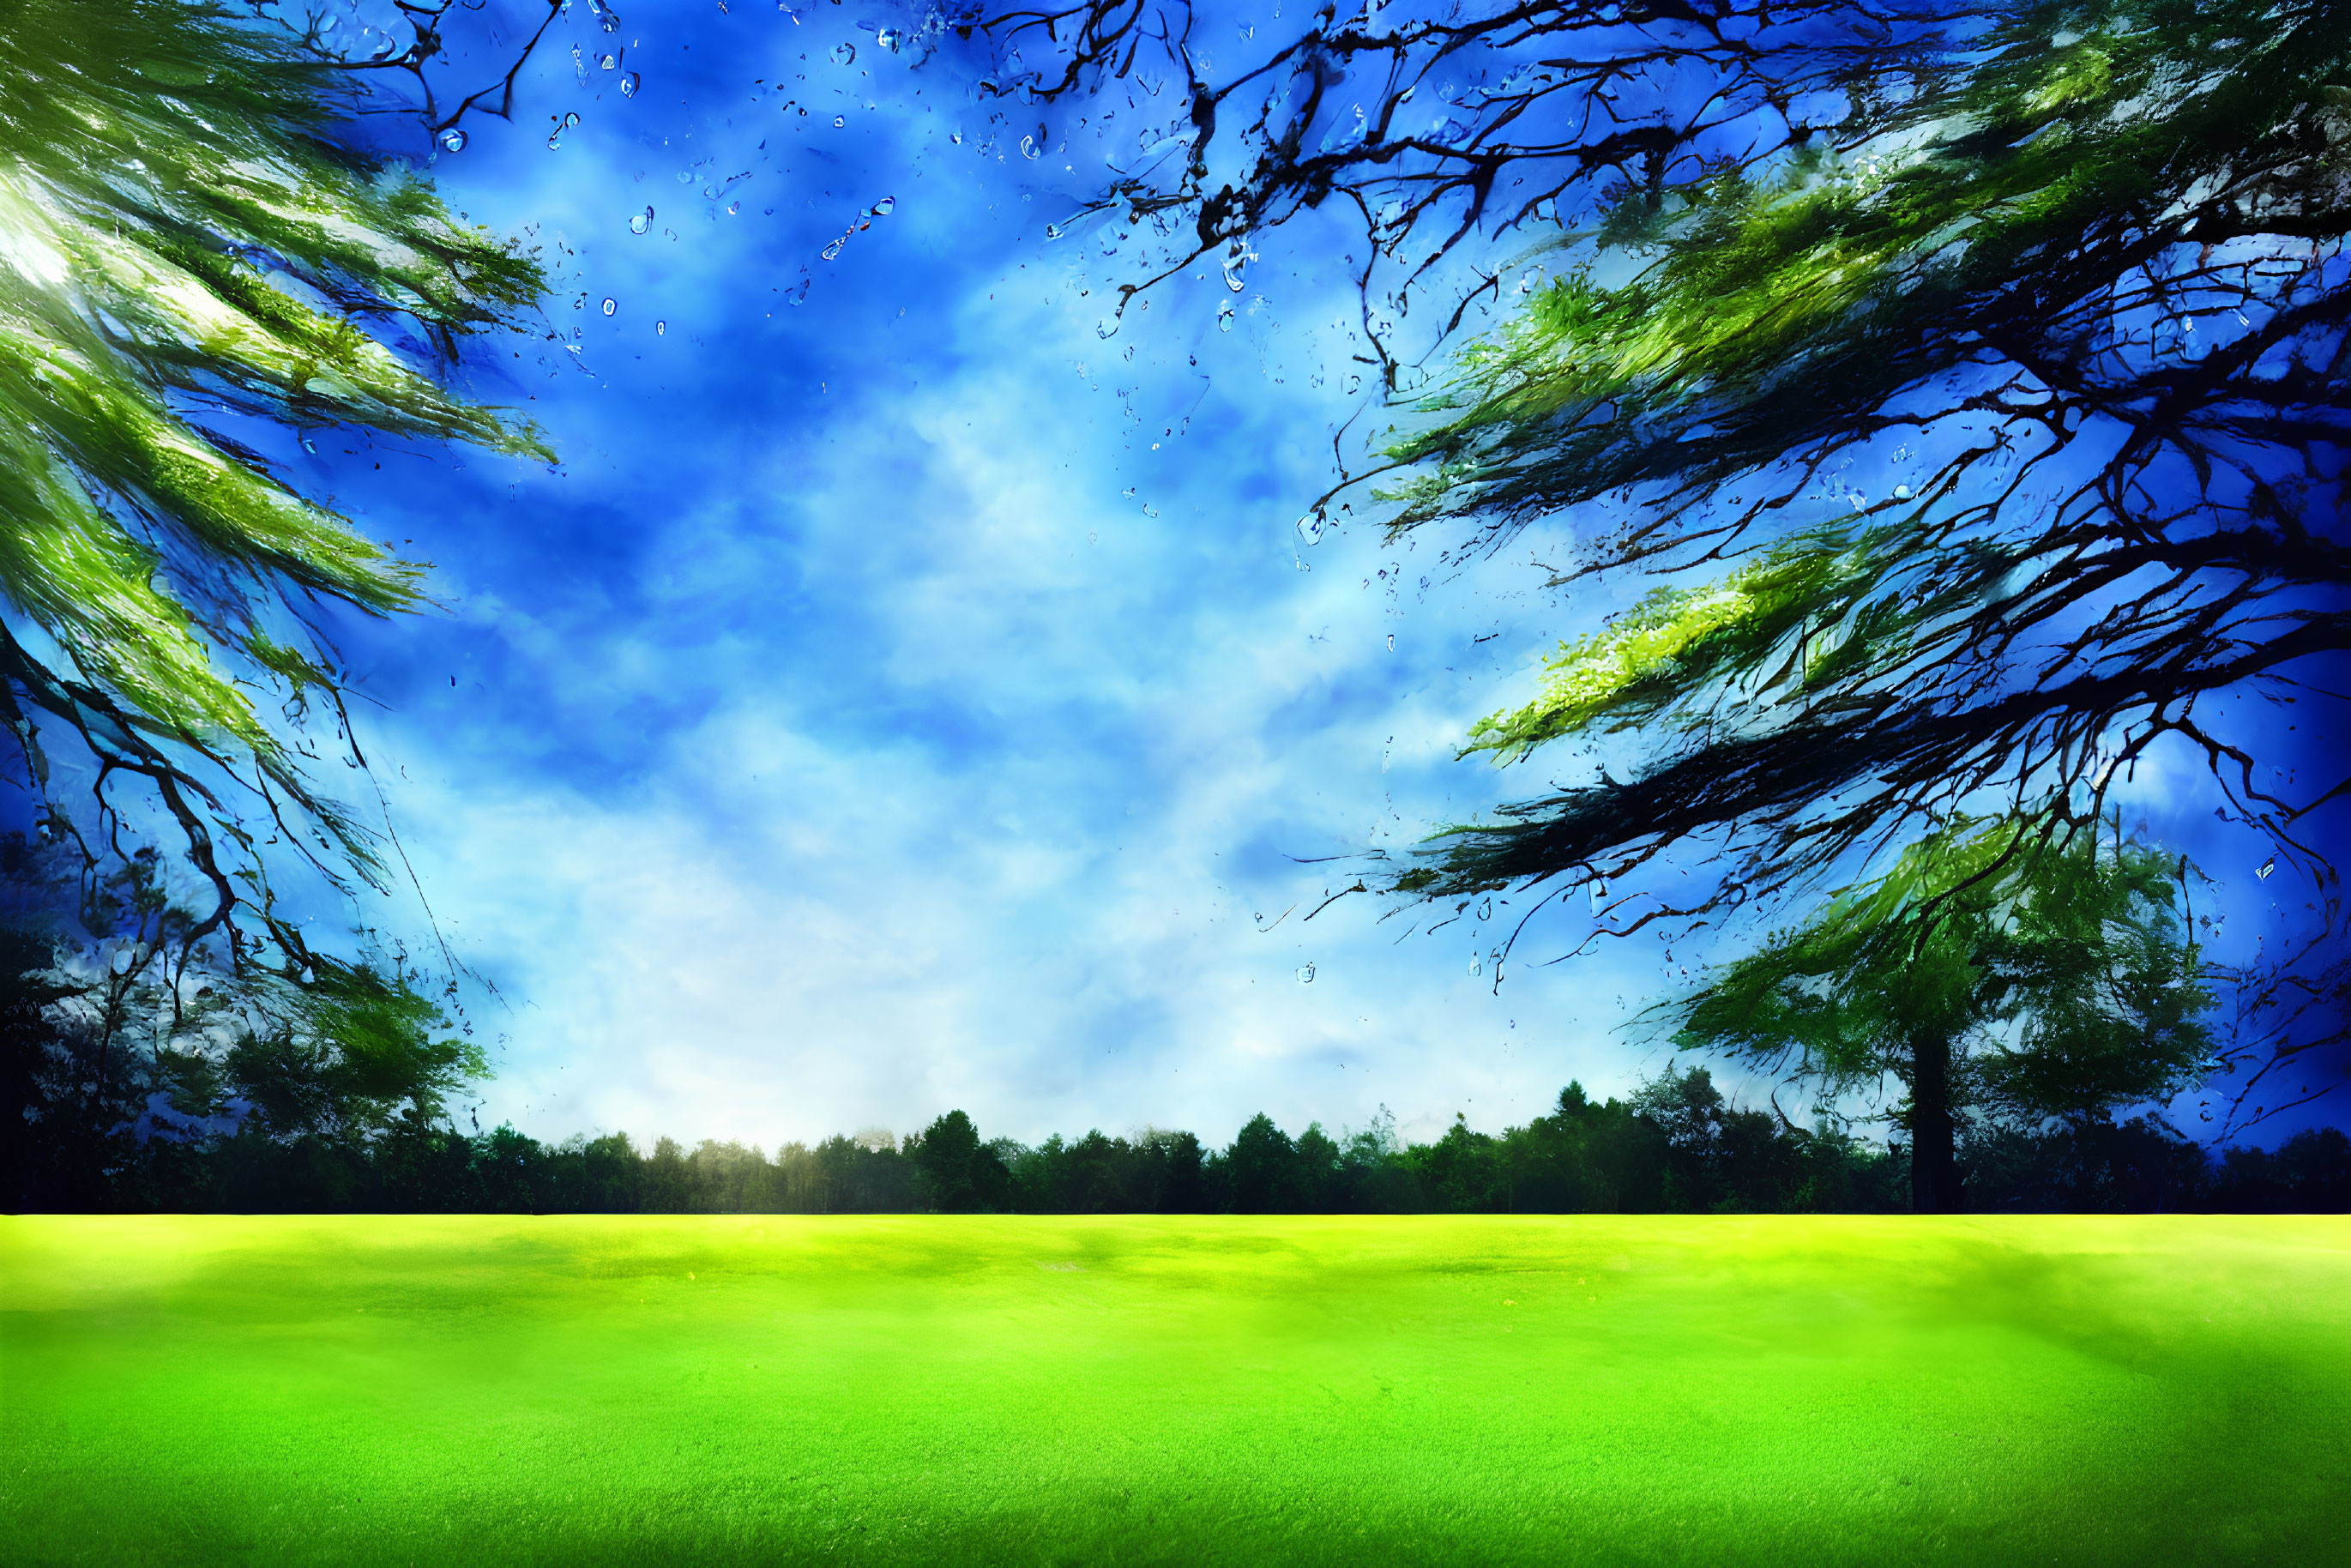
[(1675, 1145), (129, 1084)]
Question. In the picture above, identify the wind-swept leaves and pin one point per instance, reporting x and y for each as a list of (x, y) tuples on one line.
[(185, 240)]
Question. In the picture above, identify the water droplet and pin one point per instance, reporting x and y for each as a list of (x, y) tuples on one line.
[(554, 142), (610, 62), (453, 139), (1310, 529), (1391, 641), (325, 25), (610, 305), (832, 250), (1236, 257), (733, 208), (838, 121), (661, 329), (1053, 231), (888, 38), (1107, 326), (844, 54), (612, 22), (642, 222), (628, 80), (308, 445), (569, 120), (1486, 910), (1225, 317), (1901, 492), (2268, 866), (1306, 974), (885, 206), (1029, 148)]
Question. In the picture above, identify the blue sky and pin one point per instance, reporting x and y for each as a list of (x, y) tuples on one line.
[(869, 719), (908, 697)]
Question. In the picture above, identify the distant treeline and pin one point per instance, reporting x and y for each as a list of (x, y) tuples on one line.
[(1674, 1147), (144, 1071)]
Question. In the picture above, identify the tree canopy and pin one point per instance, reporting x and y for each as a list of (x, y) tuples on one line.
[(114, 1056), (2013, 406), (1966, 384), (197, 266), (1985, 970)]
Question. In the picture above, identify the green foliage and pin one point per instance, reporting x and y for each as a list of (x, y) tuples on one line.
[(1992, 968), (1261, 1169), (1756, 292), (347, 1053), (1675, 1145), (2115, 998), (142, 1066), (1154, 1173), (1977, 927), (2084, 263), (1831, 587), (956, 1174), (181, 230)]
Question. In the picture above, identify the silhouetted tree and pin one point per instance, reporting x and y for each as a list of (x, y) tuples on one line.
[(1261, 1168), (1977, 927), (1967, 375), (947, 1157)]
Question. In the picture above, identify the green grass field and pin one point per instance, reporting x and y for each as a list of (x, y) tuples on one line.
[(916, 1389)]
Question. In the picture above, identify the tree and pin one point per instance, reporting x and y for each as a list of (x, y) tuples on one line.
[(1261, 1168), (346, 1055), (197, 260), (2309, 1174), (958, 1174), (1916, 975), (1718, 1158), (2061, 268), (1168, 1178), (2074, 298), (120, 1067), (1969, 378)]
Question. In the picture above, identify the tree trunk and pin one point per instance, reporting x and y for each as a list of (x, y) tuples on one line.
[(1934, 1167)]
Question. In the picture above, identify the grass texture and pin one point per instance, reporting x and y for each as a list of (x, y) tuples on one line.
[(585, 1389)]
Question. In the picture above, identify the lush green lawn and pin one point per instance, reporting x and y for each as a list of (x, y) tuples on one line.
[(1581, 1388)]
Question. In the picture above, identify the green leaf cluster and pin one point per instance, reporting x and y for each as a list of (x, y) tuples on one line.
[(186, 234), (2057, 977), (1836, 594), (349, 1051), (1760, 306), (2004, 253)]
